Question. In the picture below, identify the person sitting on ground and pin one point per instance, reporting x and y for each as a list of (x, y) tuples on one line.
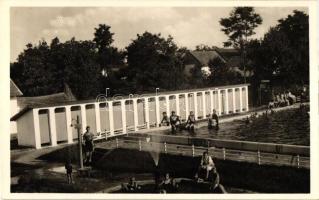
[(68, 168), (292, 98), (205, 167), (165, 121), (89, 145), (286, 99), (175, 121), (283, 101), (273, 103), (131, 186), (279, 100), (190, 123), (167, 185)]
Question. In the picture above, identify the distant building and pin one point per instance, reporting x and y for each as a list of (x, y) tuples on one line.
[(19, 103), (200, 59)]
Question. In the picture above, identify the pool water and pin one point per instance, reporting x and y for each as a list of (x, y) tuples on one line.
[(285, 127)]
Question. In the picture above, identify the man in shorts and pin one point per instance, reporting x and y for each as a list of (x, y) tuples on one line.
[(174, 121), (89, 145)]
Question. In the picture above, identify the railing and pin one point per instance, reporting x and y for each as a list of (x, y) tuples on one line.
[(261, 158)]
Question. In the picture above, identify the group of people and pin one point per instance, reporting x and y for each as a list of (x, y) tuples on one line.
[(282, 99), (206, 172), (88, 146), (175, 122)]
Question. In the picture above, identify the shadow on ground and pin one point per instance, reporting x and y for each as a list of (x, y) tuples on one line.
[(249, 176)]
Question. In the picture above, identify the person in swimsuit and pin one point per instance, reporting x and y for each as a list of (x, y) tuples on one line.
[(68, 168), (174, 120), (215, 117), (205, 167), (89, 145), (210, 122), (165, 121), (167, 185), (190, 121), (131, 186)]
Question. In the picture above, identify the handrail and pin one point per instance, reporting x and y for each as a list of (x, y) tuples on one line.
[(259, 157)]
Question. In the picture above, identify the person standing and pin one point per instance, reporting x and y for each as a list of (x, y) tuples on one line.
[(89, 145), (215, 117), (68, 168)]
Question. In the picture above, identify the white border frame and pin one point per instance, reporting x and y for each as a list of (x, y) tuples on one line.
[(5, 111)]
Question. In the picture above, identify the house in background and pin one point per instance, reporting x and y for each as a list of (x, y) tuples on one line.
[(200, 59), (19, 102)]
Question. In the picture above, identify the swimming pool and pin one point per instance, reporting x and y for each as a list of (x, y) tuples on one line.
[(286, 127)]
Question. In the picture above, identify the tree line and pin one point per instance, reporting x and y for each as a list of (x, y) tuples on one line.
[(152, 61)]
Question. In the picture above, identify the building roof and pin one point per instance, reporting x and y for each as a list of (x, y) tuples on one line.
[(78, 102), (45, 100), (203, 57), (14, 90)]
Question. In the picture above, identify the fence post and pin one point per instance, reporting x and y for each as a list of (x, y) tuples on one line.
[(117, 142), (140, 144), (224, 153), (193, 150), (298, 161), (258, 156), (165, 147)]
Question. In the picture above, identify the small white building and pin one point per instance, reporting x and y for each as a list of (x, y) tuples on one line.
[(50, 124)]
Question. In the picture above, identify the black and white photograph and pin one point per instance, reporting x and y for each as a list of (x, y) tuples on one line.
[(161, 100)]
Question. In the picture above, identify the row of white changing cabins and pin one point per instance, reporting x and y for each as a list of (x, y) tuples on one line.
[(121, 116)]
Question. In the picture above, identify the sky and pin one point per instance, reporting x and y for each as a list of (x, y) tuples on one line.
[(189, 26)]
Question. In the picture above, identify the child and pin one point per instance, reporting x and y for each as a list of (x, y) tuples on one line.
[(68, 168)]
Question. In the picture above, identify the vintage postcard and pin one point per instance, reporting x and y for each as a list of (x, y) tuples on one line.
[(159, 100)]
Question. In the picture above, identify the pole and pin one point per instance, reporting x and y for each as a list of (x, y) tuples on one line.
[(78, 127), (193, 150)]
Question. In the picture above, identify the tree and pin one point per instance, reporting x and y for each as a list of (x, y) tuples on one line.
[(287, 48), (239, 26), (282, 56), (82, 71), (43, 69), (108, 57), (221, 74), (153, 62), (31, 71)]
